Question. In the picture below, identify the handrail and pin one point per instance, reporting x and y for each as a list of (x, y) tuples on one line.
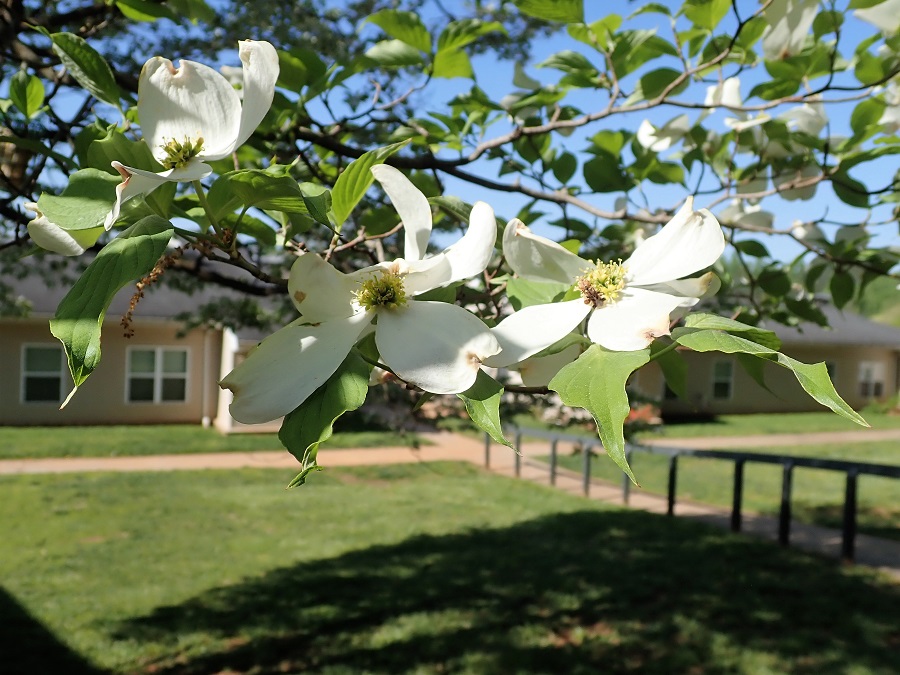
[(852, 471)]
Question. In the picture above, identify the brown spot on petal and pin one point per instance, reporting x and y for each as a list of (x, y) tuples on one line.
[(299, 296), (474, 360)]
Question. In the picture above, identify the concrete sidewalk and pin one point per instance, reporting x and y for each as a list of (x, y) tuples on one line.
[(871, 551)]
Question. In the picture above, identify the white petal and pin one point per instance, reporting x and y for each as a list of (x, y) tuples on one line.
[(634, 321), (689, 242), (51, 237), (726, 94), (537, 372), (188, 103), (470, 255), (789, 22), (534, 328), (319, 291), (434, 345), (690, 290), (747, 123), (260, 69), (535, 257), (665, 136), (140, 182), (288, 366), (807, 118), (884, 16), (411, 205)]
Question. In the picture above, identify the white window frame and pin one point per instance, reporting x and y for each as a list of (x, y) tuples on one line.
[(871, 374), (24, 374), (715, 380), (158, 374)]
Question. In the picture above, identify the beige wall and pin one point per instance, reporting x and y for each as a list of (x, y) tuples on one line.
[(788, 396), (102, 399)]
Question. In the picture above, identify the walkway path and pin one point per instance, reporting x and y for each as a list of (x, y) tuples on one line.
[(777, 440), (871, 551)]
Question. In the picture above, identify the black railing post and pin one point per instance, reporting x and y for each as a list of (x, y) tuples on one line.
[(518, 458), (784, 516), (737, 495), (673, 479), (586, 478), (553, 450), (848, 538), (626, 481), (487, 451)]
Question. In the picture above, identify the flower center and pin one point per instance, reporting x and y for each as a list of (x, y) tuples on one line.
[(382, 290), (179, 153), (602, 285)]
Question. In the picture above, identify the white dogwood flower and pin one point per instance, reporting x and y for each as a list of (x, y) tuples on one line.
[(662, 138), (434, 345), (192, 114), (51, 237), (885, 16), (627, 303), (789, 23)]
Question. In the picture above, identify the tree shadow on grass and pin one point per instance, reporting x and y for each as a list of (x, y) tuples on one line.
[(28, 648), (583, 592)]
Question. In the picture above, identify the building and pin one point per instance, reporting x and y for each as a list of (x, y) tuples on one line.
[(862, 356), (162, 375)]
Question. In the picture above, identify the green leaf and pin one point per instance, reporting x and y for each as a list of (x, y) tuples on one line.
[(117, 146), (604, 174), (394, 54), (318, 202), (352, 184), (312, 422), (760, 336), (482, 401), (813, 378), (27, 93), (752, 247), (866, 115), (706, 13), (655, 82), (292, 72), (87, 66), (755, 368), (144, 10), (450, 60), (254, 227), (774, 281), (843, 287), (525, 293), (568, 62), (84, 203), (79, 317), (256, 187), (674, 369), (596, 382), (564, 11), (404, 26), (849, 190), (564, 167)]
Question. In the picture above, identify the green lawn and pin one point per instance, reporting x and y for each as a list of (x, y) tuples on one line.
[(424, 568), (775, 423), (817, 494), (118, 441)]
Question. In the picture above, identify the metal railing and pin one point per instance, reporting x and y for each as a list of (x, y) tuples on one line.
[(851, 470)]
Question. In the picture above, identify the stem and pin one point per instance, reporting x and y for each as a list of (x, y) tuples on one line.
[(664, 350), (201, 197)]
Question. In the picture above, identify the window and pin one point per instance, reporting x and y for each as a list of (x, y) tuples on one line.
[(723, 379), (871, 379), (43, 370), (157, 375)]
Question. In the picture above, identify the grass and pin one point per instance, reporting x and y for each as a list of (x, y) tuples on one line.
[(425, 568), (120, 441), (775, 423), (817, 494), (739, 425)]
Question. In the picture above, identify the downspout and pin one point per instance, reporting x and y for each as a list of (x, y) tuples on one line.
[(230, 346), (206, 421)]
